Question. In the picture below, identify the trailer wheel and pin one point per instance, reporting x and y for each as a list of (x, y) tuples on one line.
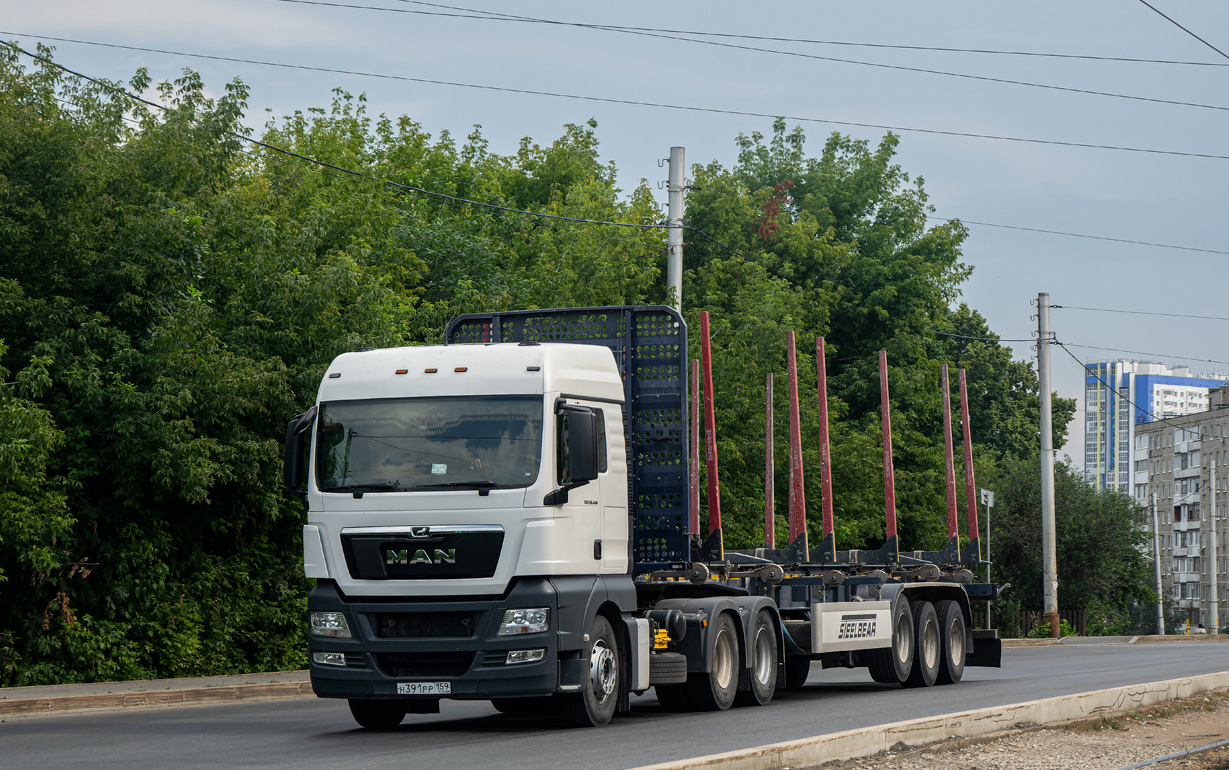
[(952, 629), (377, 714), (761, 682), (929, 648), (595, 704), (715, 690), (893, 664)]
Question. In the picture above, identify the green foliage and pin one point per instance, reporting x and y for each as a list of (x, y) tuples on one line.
[(1042, 630), (170, 296), (1100, 546)]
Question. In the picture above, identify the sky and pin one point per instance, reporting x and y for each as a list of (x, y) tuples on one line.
[(1155, 189)]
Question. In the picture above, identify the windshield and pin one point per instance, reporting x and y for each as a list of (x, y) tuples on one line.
[(409, 444)]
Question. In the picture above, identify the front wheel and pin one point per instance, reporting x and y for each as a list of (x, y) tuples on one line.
[(377, 714), (595, 704)]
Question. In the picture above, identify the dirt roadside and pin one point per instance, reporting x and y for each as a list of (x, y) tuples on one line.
[(1105, 743)]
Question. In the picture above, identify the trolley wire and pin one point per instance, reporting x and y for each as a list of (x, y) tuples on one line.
[(1140, 312), (638, 103), (1184, 29), (1083, 235)]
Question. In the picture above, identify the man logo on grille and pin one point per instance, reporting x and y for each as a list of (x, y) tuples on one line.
[(405, 558)]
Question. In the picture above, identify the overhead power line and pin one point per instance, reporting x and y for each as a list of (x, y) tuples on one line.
[(1140, 312), (1121, 395), (1146, 353), (479, 15), (466, 13), (632, 102), (1083, 235), (1184, 29)]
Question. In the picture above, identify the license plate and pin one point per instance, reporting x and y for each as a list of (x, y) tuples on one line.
[(424, 688)]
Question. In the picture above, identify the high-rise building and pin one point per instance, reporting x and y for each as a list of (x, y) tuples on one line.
[(1180, 461), (1120, 395)]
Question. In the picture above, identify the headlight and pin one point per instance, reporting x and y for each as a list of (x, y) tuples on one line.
[(531, 621), (329, 624)]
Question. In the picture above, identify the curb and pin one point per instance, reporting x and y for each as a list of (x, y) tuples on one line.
[(864, 742), (195, 696)]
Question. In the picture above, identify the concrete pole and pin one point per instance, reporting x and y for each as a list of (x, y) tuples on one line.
[(674, 252), (1156, 550), (1048, 548), (1213, 594)]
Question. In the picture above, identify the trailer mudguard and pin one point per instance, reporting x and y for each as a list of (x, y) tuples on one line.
[(700, 613)]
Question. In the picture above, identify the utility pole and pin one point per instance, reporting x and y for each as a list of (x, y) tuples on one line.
[(1156, 551), (1048, 548), (674, 223), (1213, 594)]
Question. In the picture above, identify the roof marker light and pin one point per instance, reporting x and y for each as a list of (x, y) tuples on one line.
[(429, 371), (461, 369), (402, 371)]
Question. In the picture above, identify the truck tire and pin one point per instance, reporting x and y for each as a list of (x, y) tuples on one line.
[(892, 665), (715, 690), (667, 668), (952, 630), (928, 650), (762, 676), (595, 704), (377, 714)]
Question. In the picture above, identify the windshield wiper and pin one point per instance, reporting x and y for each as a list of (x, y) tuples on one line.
[(475, 484), (383, 486)]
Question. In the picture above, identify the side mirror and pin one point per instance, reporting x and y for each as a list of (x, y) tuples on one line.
[(292, 459), (577, 449)]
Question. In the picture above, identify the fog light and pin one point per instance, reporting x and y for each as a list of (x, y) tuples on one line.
[(525, 656), (329, 624), (530, 621), (329, 658)]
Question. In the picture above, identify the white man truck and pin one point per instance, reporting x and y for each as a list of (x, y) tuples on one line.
[(507, 517)]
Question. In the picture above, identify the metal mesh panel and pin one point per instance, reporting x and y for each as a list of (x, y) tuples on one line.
[(650, 349)]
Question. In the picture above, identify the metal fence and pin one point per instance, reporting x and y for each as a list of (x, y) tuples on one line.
[(1027, 620)]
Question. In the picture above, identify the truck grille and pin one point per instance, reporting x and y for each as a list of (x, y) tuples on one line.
[(425, 625), (424, 664)]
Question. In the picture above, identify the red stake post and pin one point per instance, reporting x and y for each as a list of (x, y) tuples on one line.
[(770, 533), (825, 457), (694, 470), (797, 490), (710, 428), (948, 455), (889, 479), (970, 487)]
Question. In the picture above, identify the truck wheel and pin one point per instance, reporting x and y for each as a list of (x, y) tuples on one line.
[(797, 669), (893, 664), (762, 676), (715, 690), (595, 704), (929, 648), (673, 697), (952, 630), (377, 714)]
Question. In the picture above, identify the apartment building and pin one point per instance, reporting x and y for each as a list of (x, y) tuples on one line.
[(1180, 460), (1119, 396)]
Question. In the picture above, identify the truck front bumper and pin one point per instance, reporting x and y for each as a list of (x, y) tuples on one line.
[(424, 640)]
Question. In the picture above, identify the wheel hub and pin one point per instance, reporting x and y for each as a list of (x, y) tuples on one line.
[(603, 669)]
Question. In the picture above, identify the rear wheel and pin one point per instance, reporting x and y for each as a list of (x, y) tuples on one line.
[(377, 714), (595, 704), (952, 631), (893, 664), (928, 653), (762, 676), (715, 690)]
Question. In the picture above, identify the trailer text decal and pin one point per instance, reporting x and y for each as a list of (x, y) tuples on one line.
[(857, 626)]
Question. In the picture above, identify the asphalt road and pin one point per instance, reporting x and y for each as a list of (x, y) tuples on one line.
[(313, 734)]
